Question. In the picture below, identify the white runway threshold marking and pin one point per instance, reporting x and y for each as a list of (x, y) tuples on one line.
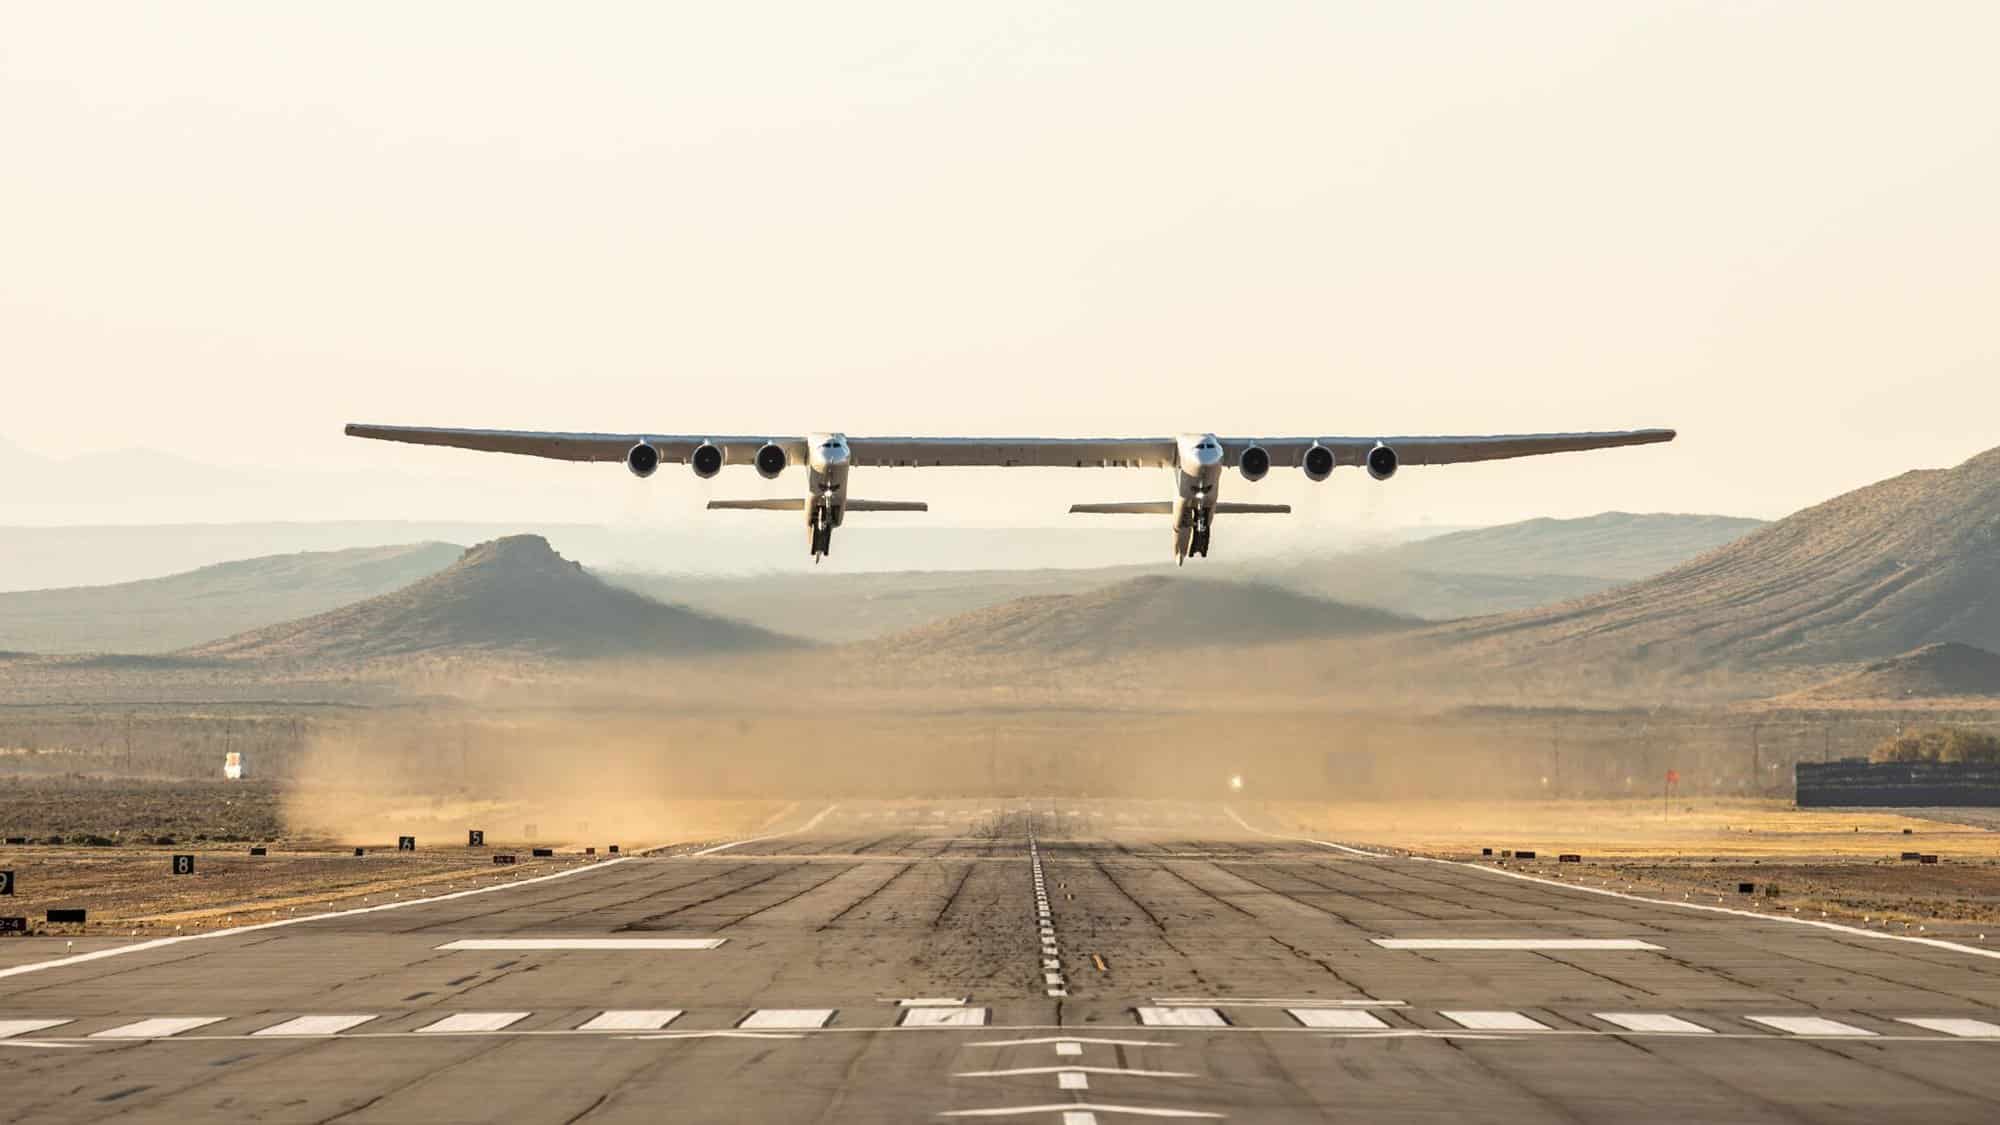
[(1962, 1028), (1810, 1025), (315, 1025), (632, 1019), (944, 1017), (786, 1019), (585, 943), (11, 1028), (1534, 944), (1495, 1021), (472, 1021), (1346, 1019), (1181, 1017), (160, 1027), (1657, 1022)]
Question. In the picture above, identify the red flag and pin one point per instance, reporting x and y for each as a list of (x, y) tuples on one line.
[(1673, 777)]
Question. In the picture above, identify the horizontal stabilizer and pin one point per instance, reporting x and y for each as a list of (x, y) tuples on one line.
[(793, 504), (1136, 508), (887, 506), (1254, 509)]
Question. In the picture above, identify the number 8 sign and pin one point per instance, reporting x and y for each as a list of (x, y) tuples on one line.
[(183, 865)]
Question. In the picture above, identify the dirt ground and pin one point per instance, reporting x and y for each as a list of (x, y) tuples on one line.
[(1843, 865), (107, 846)]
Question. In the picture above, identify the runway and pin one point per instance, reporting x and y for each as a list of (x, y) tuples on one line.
[(1013, 961)]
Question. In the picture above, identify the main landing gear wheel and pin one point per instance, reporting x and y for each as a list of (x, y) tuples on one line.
[(822, 539), (1198, 542)]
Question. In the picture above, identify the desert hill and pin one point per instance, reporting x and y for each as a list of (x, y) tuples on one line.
[(512, 596), (1910, 561), (1142, 614), (1461, 574), (163, 614), (1939, 671)]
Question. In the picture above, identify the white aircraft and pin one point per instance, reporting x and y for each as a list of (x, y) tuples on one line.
[(1197, 461)]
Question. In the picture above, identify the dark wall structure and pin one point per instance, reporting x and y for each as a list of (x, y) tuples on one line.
[(1896, 784)]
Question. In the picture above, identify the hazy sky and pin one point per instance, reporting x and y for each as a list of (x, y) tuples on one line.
[(226, 229)]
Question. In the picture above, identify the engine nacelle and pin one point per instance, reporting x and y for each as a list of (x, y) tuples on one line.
[(1254, 462), (706, 460), (643, 459), (1317, 464), (771, 460), (1382, 462)]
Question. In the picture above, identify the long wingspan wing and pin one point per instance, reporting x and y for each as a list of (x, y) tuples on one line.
[(1443, 450), (674, 448)]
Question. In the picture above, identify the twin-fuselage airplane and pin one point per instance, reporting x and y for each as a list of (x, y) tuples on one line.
[(1197, 460)]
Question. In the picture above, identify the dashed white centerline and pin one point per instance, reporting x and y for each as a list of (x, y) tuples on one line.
[(1053, 982)]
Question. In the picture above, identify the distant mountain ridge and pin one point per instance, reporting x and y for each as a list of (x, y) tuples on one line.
[(513, 596), (164, 614), (1148, 613)]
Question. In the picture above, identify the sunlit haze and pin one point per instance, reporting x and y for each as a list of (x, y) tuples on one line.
[(227, 229)]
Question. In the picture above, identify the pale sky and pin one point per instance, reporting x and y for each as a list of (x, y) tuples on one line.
[(227, 229)]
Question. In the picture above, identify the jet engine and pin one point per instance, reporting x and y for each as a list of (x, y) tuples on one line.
[(1254, 462), (706, 460), (1382, 462), (771, 460), (1317, 463), (643, 460)]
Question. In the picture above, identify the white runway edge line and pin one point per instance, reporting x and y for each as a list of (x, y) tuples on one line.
[(399, 904), (1836, 927), (1302, 839), (656, 944), (1535, 944)]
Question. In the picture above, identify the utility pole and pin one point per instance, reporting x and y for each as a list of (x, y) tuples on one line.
[(1756, 761)]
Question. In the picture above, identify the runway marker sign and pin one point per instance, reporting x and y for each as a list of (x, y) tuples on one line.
[(16, 925), (543, 853), (406, 843), (6, 882), (183, 865), (474, 838), (503, 860), (260, 851), (66, 914)]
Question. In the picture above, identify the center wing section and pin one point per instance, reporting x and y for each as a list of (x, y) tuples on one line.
[(1002, 453)]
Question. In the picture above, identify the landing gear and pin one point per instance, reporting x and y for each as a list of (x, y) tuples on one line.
[(822, 533), (1198, 541)]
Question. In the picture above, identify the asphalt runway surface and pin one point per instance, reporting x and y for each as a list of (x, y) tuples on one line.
[(1008, 961)]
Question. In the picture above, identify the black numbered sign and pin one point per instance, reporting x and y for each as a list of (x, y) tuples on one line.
[(6, 882), (183, 865), (475, 839), (503, 859), (406, 843), (15, 925)]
